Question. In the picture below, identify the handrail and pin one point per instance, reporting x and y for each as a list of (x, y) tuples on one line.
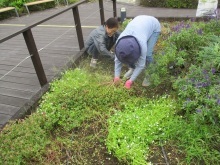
[(41, 21), (29, 38), (31, 46), (34, 52)]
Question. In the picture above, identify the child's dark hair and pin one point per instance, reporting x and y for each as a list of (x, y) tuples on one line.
[(112, 23)]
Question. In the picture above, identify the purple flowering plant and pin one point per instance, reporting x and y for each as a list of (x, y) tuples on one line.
[(199, 92), (190, 60), (178, 51)]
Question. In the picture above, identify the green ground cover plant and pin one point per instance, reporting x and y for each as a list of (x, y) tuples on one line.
[(85, 119), (137, 126)]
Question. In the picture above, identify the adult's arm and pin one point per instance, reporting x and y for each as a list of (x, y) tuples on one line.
[(118, 66), (140, 65)]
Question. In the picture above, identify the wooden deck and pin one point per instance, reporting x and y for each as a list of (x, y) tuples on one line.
[(57, 44)]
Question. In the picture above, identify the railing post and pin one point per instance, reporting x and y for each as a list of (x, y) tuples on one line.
[(78, 27), (114, 8), (29, 39), (101, 8)]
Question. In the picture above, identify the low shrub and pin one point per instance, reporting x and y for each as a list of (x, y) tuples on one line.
[(190, 4)]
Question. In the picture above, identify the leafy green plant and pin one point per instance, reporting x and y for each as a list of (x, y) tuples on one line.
[(77, 90), (199, 142), (70, 101), (170, 3), (124, 24), (139, 125), (187, 37), (199, 92), (23, 140), (180, 50), (211, 53)]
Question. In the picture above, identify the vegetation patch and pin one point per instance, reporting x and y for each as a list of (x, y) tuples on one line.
[(85, 119)]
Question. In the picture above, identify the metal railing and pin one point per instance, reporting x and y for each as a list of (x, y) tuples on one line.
[(30, 42)]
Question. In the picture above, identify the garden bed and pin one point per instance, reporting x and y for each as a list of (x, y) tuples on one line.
[(85, 119)]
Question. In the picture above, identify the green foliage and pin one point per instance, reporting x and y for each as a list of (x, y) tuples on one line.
[(190, 4), (18, 3), (181, 4), (136, 127), (199, 92), (211, 53), (142, 124), (76, 94), (63, 2), (72, 1), (210, 27), (159, 70), (124, 24), (187, 57), (181, 49), (198, 141), (155, 3), (23, 140), (70, 101), (186, 37)]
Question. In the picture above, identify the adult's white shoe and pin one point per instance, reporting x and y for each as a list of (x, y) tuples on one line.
[(146, 82), (93, 62)]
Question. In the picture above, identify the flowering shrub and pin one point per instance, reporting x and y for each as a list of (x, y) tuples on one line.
[(199, 93), (179, 51), (199, 89)]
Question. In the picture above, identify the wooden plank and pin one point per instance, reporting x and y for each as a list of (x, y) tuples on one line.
[(8, 109), (12, 101), (25, 71), (4, 118), (6, 9), (16, 93), (38, 2), (22, 75), (6, 68), (21, 80), (15, 85)]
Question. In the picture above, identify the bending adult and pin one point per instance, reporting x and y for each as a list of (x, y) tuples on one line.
[(135, 46)]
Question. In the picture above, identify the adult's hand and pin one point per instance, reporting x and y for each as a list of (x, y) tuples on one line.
[(117, 80), (128, 84)]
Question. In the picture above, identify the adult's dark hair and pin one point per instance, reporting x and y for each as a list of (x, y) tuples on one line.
[(112, 23)]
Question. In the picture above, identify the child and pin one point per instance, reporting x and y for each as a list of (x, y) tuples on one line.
[(135, 47), (101, 40)]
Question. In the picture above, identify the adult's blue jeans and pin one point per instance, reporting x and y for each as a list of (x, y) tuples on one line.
[(150, 46)]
